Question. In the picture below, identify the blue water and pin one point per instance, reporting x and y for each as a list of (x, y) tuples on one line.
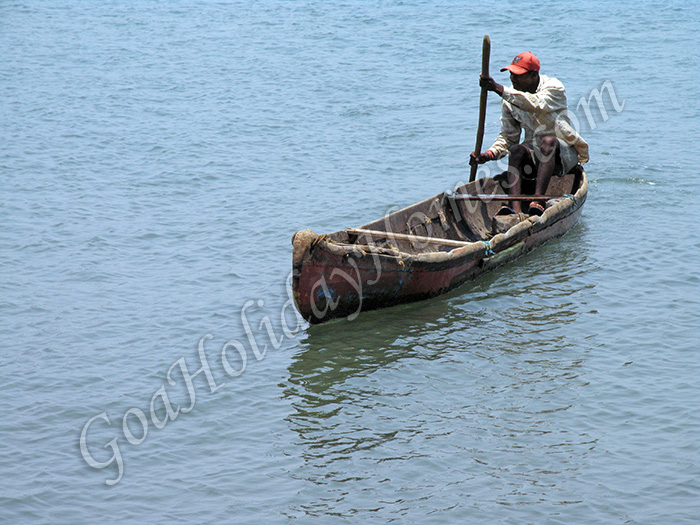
[(156, 158)]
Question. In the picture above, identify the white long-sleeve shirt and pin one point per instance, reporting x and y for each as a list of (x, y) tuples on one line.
[(541, 113)]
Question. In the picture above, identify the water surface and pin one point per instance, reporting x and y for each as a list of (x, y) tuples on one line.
[(156, 159)]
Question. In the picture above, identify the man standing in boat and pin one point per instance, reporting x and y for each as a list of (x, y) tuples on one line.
[(551, 146)]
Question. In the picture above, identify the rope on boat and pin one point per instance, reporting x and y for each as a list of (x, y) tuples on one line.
[(489, 251), (318, 240)]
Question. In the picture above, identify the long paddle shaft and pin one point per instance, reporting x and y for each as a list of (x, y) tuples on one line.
[(485, 55)]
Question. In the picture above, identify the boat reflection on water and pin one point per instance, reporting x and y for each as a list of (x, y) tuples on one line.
[(340, 350)]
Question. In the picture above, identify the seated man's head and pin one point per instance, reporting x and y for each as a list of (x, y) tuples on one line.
[(524, 72)]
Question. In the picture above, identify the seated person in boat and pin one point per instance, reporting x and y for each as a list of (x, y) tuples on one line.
[(551, 146)]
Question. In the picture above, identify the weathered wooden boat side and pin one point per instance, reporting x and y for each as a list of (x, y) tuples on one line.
[(424, 250)]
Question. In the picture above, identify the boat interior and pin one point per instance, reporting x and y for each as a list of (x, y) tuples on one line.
[(450, 220)]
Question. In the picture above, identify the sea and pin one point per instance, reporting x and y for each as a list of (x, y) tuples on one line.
[(156, 159)]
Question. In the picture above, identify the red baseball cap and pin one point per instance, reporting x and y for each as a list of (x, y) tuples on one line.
[(523, 63)]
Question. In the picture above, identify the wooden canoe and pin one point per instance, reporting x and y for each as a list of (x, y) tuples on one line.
[(426, 249)]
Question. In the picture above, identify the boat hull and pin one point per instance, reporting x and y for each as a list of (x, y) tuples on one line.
[(336, 279)]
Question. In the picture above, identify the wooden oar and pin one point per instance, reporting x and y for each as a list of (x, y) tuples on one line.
[(485, 55)]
